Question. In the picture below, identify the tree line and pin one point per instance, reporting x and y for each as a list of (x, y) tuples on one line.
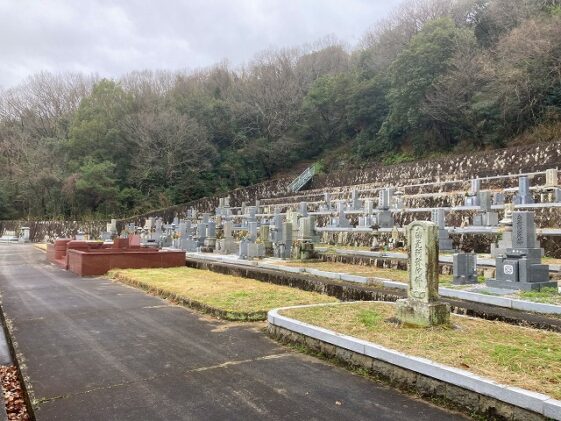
[(434, 77)]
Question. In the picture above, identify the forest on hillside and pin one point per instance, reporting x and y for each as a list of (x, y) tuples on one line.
[(435, 77)]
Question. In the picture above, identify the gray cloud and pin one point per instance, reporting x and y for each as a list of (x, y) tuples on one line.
[(114, 37)]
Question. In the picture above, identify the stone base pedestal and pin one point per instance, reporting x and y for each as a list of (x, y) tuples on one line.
[(210, 243), (418, 313), (524, 286), (465, 280), (385, 219), (303, 250)]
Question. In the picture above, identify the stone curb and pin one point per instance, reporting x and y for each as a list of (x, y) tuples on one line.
[(536, 402), (512, 303)]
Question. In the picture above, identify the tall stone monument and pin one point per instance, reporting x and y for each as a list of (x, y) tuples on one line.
[(422, 306), (519, 266)]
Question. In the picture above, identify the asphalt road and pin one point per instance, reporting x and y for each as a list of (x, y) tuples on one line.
[(92, 349)]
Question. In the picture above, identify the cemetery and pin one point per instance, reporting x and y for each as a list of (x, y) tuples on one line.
[(271, 210), (374, 275)]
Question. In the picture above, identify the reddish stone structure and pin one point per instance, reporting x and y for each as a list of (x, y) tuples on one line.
[(99, 262), (91, 258)]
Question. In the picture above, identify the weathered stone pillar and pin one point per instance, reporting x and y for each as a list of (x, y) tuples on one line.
[(422, 306)]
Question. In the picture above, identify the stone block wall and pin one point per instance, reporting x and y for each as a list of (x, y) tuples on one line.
[(48, 231)]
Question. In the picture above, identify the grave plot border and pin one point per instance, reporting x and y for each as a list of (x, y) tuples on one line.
[(432, 380), (347, 288)]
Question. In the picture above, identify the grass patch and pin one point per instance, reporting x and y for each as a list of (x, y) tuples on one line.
[(513, 355), (360, 270), (40, 246), (227, 296), (545, 295)]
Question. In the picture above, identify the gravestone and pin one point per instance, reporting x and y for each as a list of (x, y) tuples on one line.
[(201, 233), (444, 241), (506, 237), (368, 207), (303, 208), (475, 185), (226, 245), (498, 198), (398, 198), (520, 266), (551, 178), (422, 307), (252, 231), (327, 200), (556, 195), (464, 268), (472, 197), (486, 217), (265, 238), (355, 202), (24, 235), (243, 252), (283, 247), (306, 229), (252, 212), (524, 196), (112, 227), (342, 221), (384, 217), (210, 239)]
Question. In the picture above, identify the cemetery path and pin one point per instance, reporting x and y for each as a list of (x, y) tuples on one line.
[(92, 349)]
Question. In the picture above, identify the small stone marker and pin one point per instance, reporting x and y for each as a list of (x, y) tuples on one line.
[(422, 307), (551, 177), (464, 268)]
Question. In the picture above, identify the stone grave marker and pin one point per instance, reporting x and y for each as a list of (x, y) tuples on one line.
[(524, 196), (438, 216), (422, 307), (464, 268), (551, 178), (355, 201), (303, 208), (498, 198), (520, 266), (384, 217)]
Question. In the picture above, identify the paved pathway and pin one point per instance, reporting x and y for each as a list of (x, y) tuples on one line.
[(97, 350)]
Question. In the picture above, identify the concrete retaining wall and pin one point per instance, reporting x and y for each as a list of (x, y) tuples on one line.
[(475, 395)]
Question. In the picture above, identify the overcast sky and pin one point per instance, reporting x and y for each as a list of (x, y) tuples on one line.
[(113, 37)]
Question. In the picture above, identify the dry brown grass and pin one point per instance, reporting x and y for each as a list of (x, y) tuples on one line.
[(513, 355), (40, 246), (223, 292), (360, 270)]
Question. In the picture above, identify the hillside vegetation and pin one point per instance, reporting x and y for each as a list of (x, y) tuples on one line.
[(435, 77)]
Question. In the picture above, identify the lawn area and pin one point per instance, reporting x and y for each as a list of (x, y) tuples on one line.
[(513, 355), (230, 297), (546, 295), (360, 270)]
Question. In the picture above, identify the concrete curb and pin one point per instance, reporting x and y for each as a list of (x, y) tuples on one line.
[(536, 402)]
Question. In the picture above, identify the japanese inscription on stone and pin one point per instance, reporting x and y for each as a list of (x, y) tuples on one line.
[(423, 271)]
